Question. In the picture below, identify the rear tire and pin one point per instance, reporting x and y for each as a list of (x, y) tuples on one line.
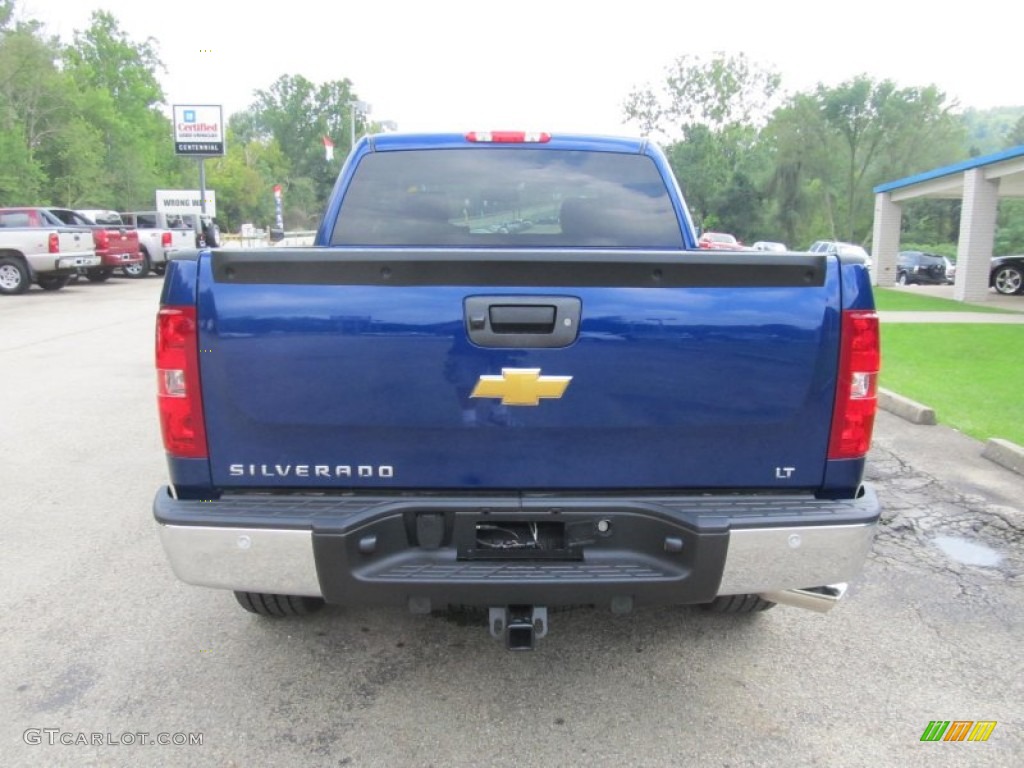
[(278, 606), (738, 604), (14, 277), (98, 275), (53, 283), (138, 270)]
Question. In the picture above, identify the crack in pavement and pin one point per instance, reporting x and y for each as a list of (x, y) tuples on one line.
[(918, 508)]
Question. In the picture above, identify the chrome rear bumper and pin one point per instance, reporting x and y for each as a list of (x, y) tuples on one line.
[(783, 565), (807, 567)]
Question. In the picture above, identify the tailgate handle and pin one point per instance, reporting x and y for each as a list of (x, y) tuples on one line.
[(522, 321), (515, 318)]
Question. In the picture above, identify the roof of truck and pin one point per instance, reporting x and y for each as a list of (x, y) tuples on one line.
[(594, 143)]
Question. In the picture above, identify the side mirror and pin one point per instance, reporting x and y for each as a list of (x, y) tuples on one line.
[(276, 235)]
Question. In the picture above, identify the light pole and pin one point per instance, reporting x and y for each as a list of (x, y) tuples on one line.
[(357, 107)]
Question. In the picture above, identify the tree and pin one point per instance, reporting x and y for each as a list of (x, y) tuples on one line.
[(296, 114), (1010, 220), (1009, 228), (103, 57), (839, 142), (711, 111), (1015, 136), (74, 164), (931, 222), (716, 93), (717, 172), (33, 102), (244, 180), (990, 130), (120, 96)]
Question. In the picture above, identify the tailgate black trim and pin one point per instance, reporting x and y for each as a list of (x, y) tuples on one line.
[(585, 268)]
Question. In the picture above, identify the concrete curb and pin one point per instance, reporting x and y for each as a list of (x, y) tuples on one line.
[(1002, 452), (1005, 454), (906, 408)]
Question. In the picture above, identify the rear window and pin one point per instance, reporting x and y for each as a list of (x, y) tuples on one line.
[(69, 217), (107, 218), (18, 219), (507, 197)]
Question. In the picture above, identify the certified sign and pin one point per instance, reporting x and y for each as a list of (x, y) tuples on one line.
[(198, 130)]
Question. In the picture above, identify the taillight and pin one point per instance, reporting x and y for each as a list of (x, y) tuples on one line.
[(99, 237), (509, 137), (178, 394), (857, 390), (165, 240), (54, 244)]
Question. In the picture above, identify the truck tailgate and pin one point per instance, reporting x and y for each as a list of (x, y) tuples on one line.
[(366, 368), (121, 240), (75, 240)]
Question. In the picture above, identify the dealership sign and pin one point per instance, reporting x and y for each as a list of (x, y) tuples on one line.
[(198, 130), (185, 201)]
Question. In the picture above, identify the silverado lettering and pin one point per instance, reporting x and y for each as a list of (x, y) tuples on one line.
[(310, 470), (709, 450)]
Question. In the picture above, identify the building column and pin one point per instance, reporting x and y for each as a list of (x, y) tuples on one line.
[(885, 242), (977, 235)]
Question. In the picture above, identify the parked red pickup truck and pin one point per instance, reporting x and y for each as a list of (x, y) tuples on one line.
[(117, 244)]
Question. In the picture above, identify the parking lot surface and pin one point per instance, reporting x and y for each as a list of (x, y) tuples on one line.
[(100, 639)]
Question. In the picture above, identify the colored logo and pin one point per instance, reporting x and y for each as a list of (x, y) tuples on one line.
[(521, 386), (190, 115), (958, 730)]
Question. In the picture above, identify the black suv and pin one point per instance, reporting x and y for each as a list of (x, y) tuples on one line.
[(920, 267)]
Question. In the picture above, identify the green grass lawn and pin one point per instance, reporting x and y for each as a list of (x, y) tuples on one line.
[(972, 375), (892, 300)]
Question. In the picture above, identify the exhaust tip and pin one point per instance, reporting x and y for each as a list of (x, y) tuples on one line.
[(817, 599)]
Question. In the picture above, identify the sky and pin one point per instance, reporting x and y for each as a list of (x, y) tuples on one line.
[(554, 65)]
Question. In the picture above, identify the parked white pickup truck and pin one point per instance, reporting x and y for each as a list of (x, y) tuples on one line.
[(48, 256), (159, 234)]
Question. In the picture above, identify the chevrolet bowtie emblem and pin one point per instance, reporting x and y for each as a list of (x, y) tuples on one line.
[(521, 386)]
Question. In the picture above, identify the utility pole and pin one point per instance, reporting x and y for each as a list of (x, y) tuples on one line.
[(202, 186), (361, 108)]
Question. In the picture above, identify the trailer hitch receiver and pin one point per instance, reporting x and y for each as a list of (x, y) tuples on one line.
[(520, 626)]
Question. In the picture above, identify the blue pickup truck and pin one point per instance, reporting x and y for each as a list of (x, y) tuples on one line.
[(506, 377)]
